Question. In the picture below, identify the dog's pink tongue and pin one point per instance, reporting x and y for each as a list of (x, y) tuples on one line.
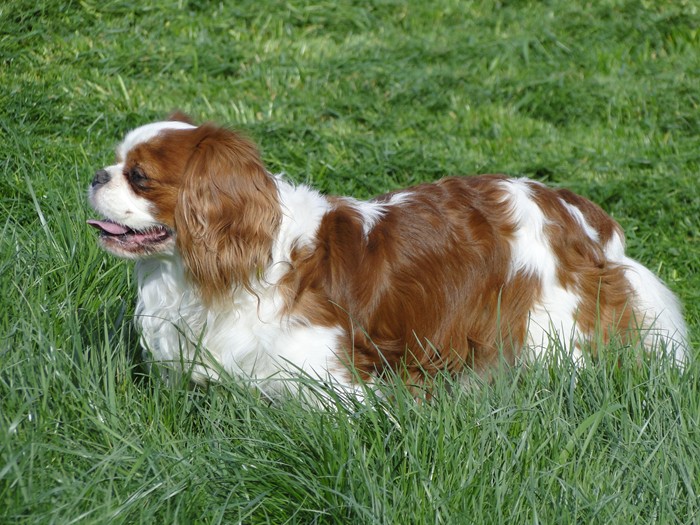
[(109, 227)]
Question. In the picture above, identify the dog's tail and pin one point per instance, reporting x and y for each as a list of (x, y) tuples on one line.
[(658, 313)]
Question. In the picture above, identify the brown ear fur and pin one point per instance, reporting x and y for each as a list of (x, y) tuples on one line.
[(228, 213), (179, 116)]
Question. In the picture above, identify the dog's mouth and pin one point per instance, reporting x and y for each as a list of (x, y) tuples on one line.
[(127, 242)]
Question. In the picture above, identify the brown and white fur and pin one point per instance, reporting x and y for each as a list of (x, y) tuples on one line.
[(273, 279)]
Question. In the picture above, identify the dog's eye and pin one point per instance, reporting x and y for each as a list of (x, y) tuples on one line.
[(137, 177)]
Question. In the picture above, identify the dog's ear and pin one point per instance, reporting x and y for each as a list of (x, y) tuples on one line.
[(179, 116), (228, 213)]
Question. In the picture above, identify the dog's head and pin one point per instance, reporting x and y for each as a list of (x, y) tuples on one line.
[(200, 192)]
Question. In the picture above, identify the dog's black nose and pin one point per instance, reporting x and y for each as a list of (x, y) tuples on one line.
[(101, 177)]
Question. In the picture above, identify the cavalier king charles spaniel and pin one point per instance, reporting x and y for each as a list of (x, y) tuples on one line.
[(244, 272)]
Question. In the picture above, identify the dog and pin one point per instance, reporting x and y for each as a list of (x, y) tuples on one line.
[(243, 272)]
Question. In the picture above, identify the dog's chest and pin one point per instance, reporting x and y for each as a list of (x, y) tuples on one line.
[(246, 337), (176, 327)]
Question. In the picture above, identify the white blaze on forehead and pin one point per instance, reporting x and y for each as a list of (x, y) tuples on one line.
[(146, 133)]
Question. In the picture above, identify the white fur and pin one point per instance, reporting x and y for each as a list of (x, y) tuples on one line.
[(661, 313), (145, 133), (370, 212), (552, 317), (118, 202), (578, 215)]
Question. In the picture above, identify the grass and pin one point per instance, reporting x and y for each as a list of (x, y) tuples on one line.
[(354, 98)]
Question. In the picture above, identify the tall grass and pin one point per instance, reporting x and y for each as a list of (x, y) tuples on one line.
[(354, 98)]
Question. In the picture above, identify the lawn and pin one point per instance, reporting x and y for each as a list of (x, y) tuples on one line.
[(356, 98)]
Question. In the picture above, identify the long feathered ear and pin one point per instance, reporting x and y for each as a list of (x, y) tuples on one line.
[(227, 214)]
